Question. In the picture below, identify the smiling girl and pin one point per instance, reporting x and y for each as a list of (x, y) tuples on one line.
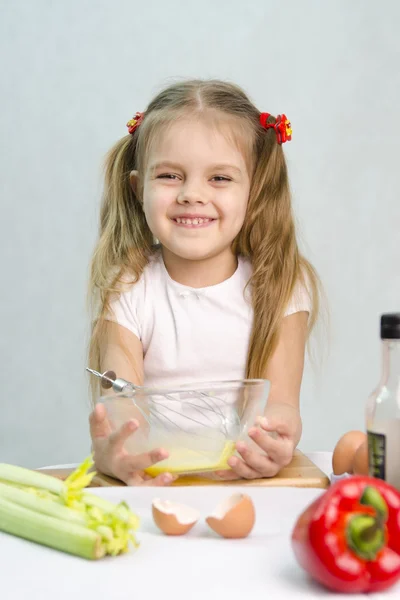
[(197, 270)]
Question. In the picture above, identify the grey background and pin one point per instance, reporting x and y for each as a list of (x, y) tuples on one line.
[(73, 73)]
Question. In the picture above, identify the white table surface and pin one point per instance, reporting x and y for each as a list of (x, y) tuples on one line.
[(197, 566)]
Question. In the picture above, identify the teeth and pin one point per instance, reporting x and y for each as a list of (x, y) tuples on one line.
[(198, 221)]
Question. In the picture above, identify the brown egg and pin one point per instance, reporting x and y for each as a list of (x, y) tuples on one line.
[(234, 517), (360, 461), (345, 449), (173, 518)]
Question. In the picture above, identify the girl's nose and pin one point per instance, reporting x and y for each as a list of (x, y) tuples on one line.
[(191, 196)]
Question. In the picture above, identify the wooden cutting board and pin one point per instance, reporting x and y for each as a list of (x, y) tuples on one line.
[(301, 473)]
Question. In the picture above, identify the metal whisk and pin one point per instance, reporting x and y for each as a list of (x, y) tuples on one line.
[(109, 380), (197, 412)]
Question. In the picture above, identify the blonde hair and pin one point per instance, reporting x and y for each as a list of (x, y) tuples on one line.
[(267, 236)]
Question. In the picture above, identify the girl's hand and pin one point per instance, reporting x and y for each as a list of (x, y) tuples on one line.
[(112, 459), (275, 452)]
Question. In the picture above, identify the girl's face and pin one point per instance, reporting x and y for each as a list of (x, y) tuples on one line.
[(196, 189)]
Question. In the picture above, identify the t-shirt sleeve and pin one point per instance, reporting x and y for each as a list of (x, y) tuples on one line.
[(301, 300), (126, 308)]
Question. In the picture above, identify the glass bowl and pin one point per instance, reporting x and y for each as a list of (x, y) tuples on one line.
[(198, 424)]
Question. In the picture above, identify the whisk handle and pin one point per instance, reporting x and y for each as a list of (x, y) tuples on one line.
[(120, 385)]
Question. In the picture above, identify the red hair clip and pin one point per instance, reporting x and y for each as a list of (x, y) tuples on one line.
[(282, 127), (134, 123)]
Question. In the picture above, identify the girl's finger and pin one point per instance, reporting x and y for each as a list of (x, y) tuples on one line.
[(118, 438), (163, 479), (271, 425), (227, 475), (140, 462), (279, 450), (260, 463), (242, 468), (98, 422), (137, 479)]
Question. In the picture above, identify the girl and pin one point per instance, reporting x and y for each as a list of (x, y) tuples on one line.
[(197, 269)]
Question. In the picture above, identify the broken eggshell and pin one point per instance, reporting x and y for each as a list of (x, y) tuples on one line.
[(173, 518), (234, 517)]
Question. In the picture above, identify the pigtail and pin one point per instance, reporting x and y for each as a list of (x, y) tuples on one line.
[(268, 237), (124, 245)]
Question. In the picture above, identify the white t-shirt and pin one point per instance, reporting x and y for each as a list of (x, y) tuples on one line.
[(192, 334)]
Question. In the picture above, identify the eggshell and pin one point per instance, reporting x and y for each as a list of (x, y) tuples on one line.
[(173, 518), (345, 449), (234, 517), (360, 461)]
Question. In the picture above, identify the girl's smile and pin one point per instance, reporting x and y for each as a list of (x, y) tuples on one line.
[(193, 221)]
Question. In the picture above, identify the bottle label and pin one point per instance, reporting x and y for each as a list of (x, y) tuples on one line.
[(377, 454)]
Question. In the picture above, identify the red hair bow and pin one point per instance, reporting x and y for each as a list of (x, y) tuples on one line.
[(134, 123), (282, 127)]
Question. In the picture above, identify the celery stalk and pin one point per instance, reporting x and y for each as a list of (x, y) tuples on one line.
[(49, 531), (75, 482), (41, 505), (66, 503), (36, 491), (121, 510), (20, 475)]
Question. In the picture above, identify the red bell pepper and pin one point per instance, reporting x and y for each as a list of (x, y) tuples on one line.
[(348, 539)]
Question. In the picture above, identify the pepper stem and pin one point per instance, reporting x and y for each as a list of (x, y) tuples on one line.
[(371, 497), (365, 536), (366, 533)]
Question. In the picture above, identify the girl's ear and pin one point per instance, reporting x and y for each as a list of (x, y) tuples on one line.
[(133, 177)]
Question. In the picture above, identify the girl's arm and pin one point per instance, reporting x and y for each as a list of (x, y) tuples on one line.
[(285, 369), (282, 414), (285, 372), (122, 353)]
